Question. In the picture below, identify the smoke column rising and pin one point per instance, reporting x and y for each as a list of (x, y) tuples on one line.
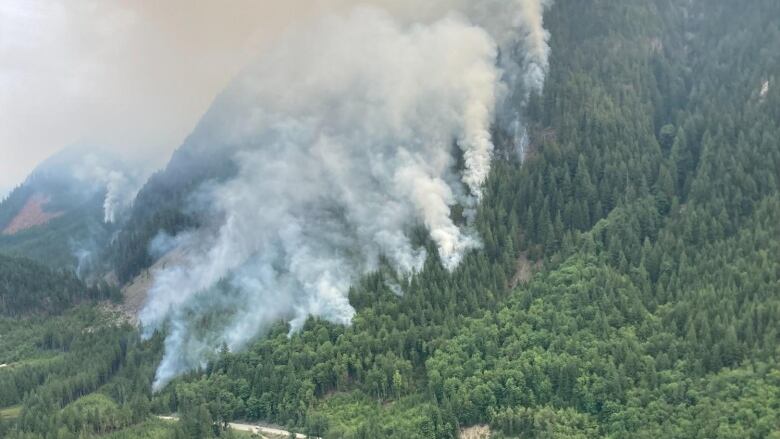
[(120, 185), (345, 134)]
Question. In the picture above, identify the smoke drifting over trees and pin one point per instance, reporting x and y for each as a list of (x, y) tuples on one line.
[(345, 136), (120, 183)]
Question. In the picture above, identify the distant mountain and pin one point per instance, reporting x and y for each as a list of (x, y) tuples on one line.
[(61, 214)]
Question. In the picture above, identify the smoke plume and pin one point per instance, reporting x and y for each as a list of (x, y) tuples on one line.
[(120, 183), (345, 133)]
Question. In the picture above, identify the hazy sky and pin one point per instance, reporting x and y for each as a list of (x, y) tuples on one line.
[(131, 75)]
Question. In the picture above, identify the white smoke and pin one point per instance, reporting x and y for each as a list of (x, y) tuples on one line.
[(345, 133), (120, 193), (84, 261), (120, 186), (518, 28), (523, 41)]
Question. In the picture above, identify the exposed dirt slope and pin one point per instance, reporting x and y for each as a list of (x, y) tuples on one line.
[(264, 430), (476, 432), (136, 291), (32, 214)]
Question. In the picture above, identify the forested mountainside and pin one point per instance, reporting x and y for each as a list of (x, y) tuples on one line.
[(57, 215), (628, 286), (27, 287)]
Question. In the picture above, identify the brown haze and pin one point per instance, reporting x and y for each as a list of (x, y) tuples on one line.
[(134, 76)]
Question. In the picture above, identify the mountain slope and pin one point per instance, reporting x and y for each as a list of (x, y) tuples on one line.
[(648, 206), (58, 215), (654, 222)]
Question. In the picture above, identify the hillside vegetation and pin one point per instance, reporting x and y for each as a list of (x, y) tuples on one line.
[(646, 211), (27, 287)]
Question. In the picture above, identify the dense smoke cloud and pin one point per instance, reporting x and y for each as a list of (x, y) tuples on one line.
[(140, 74), (346, 133)]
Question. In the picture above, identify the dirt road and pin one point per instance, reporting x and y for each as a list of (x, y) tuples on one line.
[(275, 432)]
